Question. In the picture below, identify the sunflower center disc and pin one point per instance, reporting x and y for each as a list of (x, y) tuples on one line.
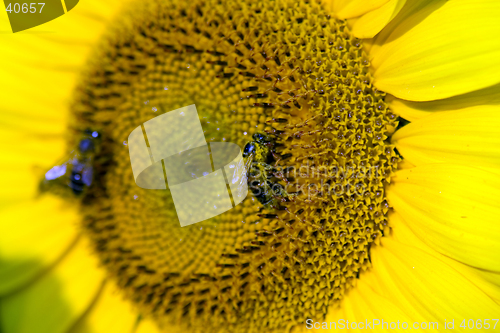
[(285, 68)]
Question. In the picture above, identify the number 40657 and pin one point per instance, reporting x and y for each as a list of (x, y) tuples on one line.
[(23, 8), (479, 324)]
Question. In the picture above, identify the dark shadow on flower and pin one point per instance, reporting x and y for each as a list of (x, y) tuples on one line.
[(31, 299)]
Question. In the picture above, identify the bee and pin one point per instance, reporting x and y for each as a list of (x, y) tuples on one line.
[(76, 172), (262, 180)]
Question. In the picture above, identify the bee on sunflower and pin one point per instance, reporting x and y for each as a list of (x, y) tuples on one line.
[(407, 88)]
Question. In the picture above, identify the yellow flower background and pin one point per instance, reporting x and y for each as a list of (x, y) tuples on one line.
[(438, 61)]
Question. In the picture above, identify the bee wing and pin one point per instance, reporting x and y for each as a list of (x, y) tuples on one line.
[(248, 163), (56, 172), (88, 174)]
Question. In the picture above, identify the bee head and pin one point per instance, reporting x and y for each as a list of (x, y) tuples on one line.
[(261, 138), (86, 146), (249, 149)]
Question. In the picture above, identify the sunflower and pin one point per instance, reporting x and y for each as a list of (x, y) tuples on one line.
[(381, 124)]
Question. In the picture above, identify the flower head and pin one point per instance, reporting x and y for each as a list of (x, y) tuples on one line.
[(380, 135)]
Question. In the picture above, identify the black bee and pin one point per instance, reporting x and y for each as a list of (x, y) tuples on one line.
[(76, 172), (261, 176), (261, 149)]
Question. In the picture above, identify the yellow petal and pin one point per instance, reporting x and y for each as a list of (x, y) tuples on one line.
[(42, 111), (452, 208), (45, 58), (354, 8), (48, 58), (426, 288), (30, 125), (20, 186), (374, 21), (469, 136), (110, 314), (54, 301), (361, 305), (33, 236), (416, 110), (147, 326), (488, 282), (28, 149), (405, 164), (434, 50), (401, 288)]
